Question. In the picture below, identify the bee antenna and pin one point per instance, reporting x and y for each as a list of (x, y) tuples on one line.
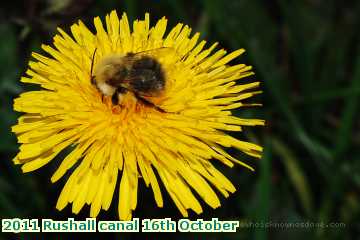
[(92, 62)]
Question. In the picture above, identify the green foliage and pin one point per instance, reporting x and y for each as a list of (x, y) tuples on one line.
[(307, 56)]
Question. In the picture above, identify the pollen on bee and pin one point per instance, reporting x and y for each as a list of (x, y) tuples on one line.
[(116, 109), (126, 101)]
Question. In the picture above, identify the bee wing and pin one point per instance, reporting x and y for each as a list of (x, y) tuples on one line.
[(157, 52)]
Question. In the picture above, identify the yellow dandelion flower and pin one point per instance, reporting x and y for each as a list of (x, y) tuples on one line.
[(132, 140)]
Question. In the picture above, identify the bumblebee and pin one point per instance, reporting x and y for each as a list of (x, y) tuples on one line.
[(139, 73)]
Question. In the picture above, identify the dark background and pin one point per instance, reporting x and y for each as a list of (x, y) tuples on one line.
[(305, 53)]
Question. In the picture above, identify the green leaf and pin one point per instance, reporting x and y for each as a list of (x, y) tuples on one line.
[(263, 192), (349, 113), (295, 174)]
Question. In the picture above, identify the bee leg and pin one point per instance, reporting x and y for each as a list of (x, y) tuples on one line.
[(121, 90), (92, 80), (148, 103), (159, 108), (115, 98)]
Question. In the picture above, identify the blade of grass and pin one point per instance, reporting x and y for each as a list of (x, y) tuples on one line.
[(329, 95), (263, 193), (295, 173), (261, 50), (348, 116), (305, 43), (130, 6), (178, 9)]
